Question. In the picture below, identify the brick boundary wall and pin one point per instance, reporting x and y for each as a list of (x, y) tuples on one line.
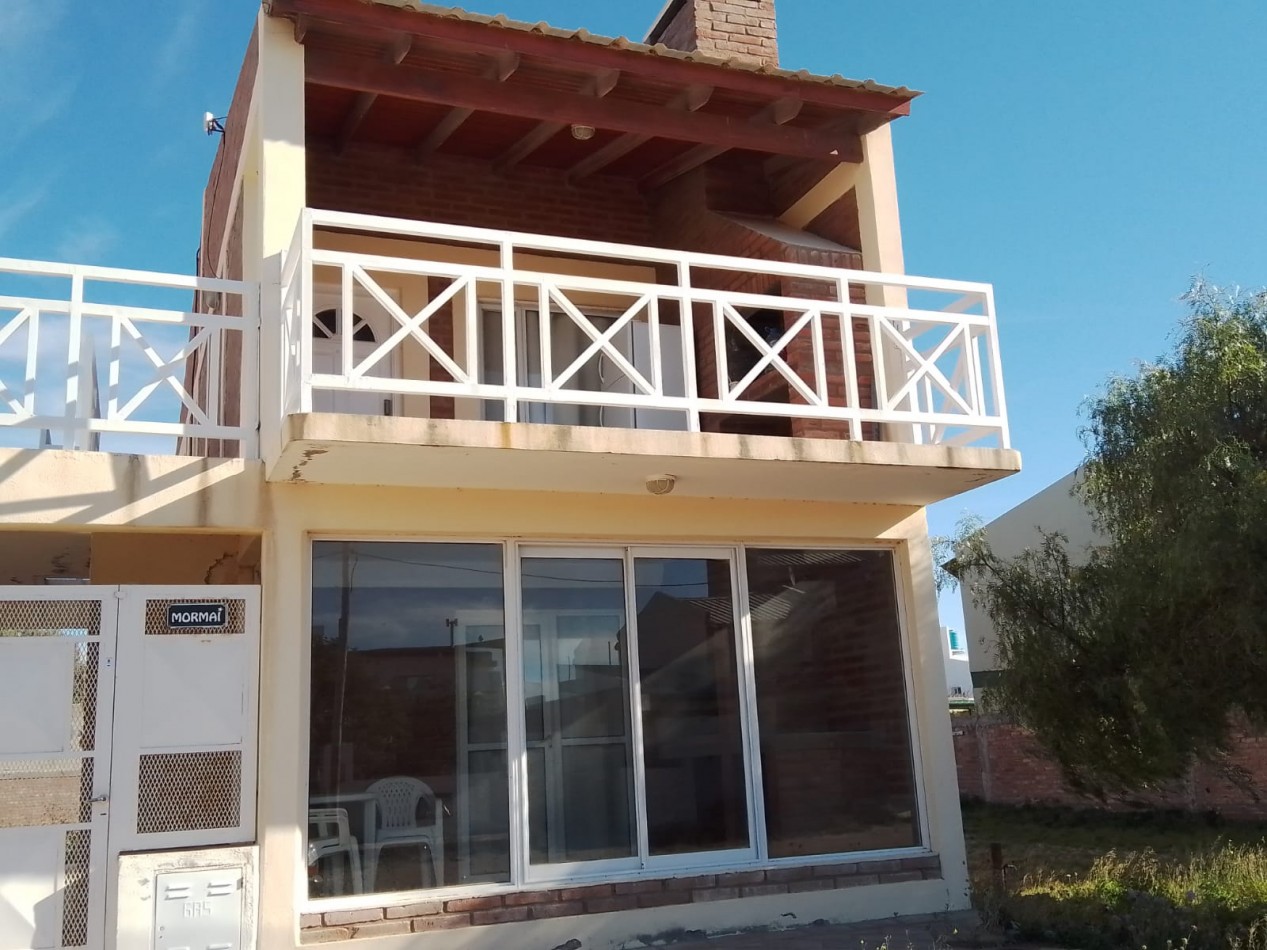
[(448, 914), (1001, 763)]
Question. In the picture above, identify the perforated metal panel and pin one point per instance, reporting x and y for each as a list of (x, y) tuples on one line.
[(189, 791)]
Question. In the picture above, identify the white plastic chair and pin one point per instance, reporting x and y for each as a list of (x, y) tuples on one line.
[(398, 798), (329, 835)]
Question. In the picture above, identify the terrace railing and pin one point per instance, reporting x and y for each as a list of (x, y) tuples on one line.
[(853, 354), (125, 360)]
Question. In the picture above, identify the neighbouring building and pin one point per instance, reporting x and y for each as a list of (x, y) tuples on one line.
[(954, 647), (1056, 508), (514, 534)]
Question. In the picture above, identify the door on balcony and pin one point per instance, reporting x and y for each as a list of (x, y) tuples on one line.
[(600, 374), (370, 326)]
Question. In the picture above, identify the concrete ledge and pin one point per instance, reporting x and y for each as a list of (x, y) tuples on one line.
[(335, 448), (99, 489)]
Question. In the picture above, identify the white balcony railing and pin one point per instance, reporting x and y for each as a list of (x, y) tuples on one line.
[(122, 360), (633, 336)]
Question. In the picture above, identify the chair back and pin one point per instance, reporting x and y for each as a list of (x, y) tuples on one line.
[(398, 798)]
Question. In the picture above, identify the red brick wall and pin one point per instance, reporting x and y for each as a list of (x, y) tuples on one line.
[(219, 191), (686, 216), (1001, 763), (742, 29), (379, 180), (426, 915)]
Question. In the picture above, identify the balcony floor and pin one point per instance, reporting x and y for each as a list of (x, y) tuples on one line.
[(345, 449)]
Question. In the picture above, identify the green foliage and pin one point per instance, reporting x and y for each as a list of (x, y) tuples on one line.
[(1131, 661)]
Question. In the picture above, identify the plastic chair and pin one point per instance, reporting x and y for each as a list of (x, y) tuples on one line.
[(398, 798), (329, 835)]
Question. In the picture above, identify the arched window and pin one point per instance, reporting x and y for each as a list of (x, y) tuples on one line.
[(325, 326)]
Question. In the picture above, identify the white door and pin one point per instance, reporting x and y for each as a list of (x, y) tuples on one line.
[(371, 324), (127, 723)]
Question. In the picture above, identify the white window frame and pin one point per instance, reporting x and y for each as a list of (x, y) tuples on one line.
[(755, 857)]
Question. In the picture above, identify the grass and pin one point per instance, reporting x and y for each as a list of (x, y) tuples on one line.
[(1109, 882)]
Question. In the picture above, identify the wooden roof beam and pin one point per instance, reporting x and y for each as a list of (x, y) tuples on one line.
[(395, 55), (599, 86), (691, 99), (327, 69), (774, 115), (502, 68), (374, 19)]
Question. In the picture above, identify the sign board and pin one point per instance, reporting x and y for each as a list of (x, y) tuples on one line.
[(202, 616)]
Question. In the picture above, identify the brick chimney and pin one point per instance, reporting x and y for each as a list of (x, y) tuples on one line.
[(732, 29)]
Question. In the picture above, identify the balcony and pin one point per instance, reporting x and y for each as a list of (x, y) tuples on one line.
[(98, 358), (627, 362)]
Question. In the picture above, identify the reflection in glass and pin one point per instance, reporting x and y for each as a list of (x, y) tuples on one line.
[(407, 763), (576, 702), (831, 702), (692, 737)]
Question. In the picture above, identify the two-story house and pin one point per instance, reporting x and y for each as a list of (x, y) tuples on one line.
[(514, 534)]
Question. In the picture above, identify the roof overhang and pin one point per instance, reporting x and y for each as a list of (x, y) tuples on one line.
[(450, 81)]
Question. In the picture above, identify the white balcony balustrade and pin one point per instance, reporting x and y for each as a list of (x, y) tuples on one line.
[(455, 322), (127, 361)]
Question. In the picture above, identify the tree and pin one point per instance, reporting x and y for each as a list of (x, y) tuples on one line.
[(1130, 664)]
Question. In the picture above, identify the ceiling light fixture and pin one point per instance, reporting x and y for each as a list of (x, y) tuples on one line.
[(582, 133)]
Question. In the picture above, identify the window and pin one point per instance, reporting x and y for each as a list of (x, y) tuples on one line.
[(620, 684), (831, 702), (407, 760)]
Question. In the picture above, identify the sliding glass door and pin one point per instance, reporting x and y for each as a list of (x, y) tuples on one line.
[(495, 714), (634, 731)]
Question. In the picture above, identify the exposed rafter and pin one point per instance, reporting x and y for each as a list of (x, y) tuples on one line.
[(691, 99), (599, 86), (719, 132), (375, 20), (502, 68), (394, 55), (775, 115)]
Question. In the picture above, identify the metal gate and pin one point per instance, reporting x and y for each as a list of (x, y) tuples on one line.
[(127, 723)]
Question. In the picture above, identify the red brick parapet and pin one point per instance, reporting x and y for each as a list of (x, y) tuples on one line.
[(446, 914)]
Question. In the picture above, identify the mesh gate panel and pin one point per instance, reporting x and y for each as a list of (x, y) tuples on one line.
[(50, 618), (188, 791), (75, 902)]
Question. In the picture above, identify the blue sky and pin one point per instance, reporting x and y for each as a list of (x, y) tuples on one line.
[(1087, 158)]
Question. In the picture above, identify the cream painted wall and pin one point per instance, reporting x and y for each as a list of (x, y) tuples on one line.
[(126, 557), (299, 512)]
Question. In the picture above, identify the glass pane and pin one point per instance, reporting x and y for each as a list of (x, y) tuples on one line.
[(407, 764), (576, 698), (692, 737), (831, 702)]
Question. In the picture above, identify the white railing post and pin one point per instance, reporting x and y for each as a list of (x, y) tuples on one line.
[(510, 356), (74, 357), (849, 350), (689, 363), (305, 315), (996, 369), (249, 373)]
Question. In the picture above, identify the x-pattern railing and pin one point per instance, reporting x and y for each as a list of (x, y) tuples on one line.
[(164, 367), (863, 356)]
